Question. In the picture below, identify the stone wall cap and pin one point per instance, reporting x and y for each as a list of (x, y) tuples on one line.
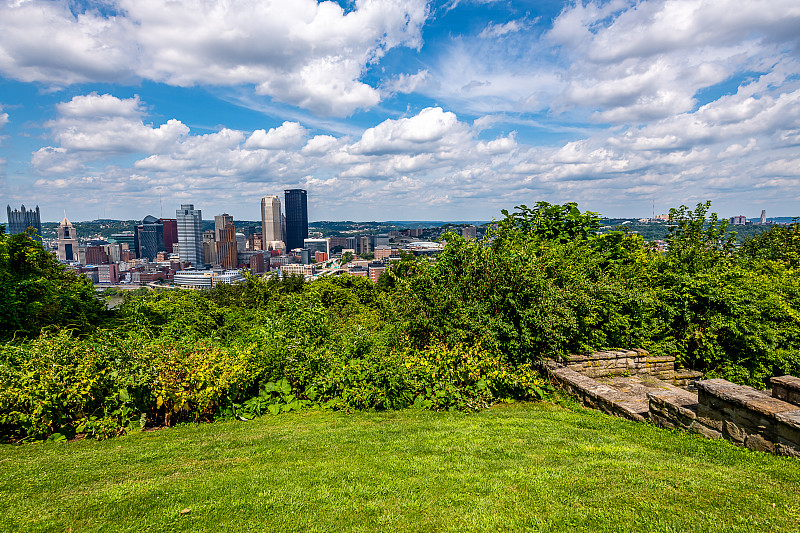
[(790, 382), (686, 373), (744, 396), (790, 418)]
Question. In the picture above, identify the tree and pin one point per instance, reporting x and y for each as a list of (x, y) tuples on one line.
[(37, 291), (780, 243), (551, 222), (696, 241)]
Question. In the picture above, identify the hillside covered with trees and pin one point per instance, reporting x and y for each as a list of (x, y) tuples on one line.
[(464, 331)]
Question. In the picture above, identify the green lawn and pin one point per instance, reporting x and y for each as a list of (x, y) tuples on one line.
[(522, 467)]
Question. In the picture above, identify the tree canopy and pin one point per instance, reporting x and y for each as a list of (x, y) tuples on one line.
[(36, 291)]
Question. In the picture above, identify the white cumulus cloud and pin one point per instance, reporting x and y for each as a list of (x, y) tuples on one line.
[(287, 135), (307, 53), (104, 123), (634, 62), (432, 126)]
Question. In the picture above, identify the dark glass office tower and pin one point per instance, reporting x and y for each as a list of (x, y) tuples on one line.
[(151, 237), (296, 208)]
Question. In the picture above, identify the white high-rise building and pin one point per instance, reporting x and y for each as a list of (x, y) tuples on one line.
[(271, 223), (190, 234)]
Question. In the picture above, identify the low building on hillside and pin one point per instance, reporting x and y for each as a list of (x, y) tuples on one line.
[(205, 279), (376, 270), (360, 271), (295, 269)]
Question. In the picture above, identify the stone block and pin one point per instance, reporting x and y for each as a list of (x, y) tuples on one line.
[(709, 417), (790, 418), (673, 408), (660, 359), (706, 431), (759, 443), (661, 420), (788, 427), (715, 406), (786, 388), (783, 447), (733, 432), (684, 378), (754, 421), (767, 405)]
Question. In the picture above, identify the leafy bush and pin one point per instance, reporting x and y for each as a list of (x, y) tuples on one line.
[(469, 378), (60, 384), (464, 331)]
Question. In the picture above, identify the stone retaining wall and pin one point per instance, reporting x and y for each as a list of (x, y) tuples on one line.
[(749, 417), (596, 395), (740, 414), (720, 409), (629, 363)]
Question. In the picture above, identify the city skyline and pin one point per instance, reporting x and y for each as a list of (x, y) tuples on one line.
[(390, 110)]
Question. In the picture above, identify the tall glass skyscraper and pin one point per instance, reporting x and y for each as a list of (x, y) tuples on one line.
[(190, 234), (151, 237), (296, 218)]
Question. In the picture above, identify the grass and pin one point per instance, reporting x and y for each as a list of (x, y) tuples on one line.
[(521, 467)]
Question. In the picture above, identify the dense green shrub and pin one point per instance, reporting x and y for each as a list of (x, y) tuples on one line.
[(463, 331), (61, 384), (732, 315), (532, 298)]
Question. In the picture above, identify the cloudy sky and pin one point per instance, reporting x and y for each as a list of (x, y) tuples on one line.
[(399, 109)]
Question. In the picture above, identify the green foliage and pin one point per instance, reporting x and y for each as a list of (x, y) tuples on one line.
[(695, 242), (780, 243), (64, 385), (532, 298), (730, 315), (469, 378), (274, 398), (560, 223), (36, 291), (465, 330)]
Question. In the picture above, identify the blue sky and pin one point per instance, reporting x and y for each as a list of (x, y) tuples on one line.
[(399, 109)]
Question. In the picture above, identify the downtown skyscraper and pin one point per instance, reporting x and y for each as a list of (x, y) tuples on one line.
[(296, 218), (150, 235), (19, 220), (190, 234), (271, 221)]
